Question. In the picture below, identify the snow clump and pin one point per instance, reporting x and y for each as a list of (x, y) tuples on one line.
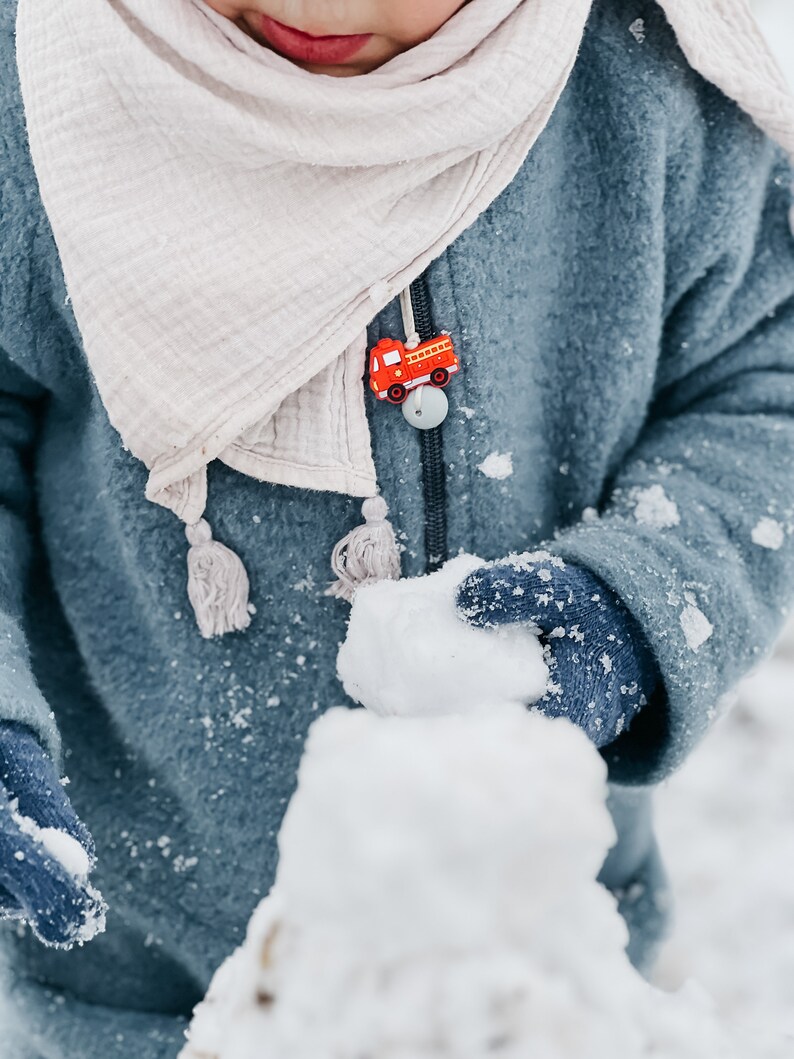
[(768, 533), (436, 898), (408, 651), (66, 850), (655, 509), (697, 627), (637, 30), (498, 465)]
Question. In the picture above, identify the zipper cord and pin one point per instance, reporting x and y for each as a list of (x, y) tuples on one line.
[(432, 447)]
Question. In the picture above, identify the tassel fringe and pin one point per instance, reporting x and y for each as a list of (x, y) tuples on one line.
[(217, 584), (367, 554)]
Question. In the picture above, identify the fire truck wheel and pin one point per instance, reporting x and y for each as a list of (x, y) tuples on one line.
[(396, 393), (439, 377)]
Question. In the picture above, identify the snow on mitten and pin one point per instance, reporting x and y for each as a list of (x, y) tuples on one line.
[(46, 853), (602, 671)]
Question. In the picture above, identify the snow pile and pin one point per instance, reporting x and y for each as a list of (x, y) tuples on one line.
[(435, 899), (408, 652)]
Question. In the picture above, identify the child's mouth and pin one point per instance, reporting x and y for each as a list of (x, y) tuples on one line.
[(295, 44)]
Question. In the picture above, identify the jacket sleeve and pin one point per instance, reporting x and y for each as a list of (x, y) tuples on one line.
[(695, 531), (20, 399), (20, 698)]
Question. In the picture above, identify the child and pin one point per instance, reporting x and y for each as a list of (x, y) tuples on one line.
[(603, 236)]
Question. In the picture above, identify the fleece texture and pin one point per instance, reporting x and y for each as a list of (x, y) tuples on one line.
[(625, 315), (602, 671)]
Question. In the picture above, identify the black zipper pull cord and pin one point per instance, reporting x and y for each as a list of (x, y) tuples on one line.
[(432, 448)]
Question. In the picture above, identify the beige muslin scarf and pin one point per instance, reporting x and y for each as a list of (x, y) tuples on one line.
[(228, 224)]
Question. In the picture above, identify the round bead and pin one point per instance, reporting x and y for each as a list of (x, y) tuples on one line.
[(425, 407)]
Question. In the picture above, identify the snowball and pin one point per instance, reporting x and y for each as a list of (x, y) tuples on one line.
[(66, 850), (655, 509), (436, 893), (407, 650), (768, 533), (697, 628), (497, 465)]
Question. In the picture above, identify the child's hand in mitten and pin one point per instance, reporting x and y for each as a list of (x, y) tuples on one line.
[(46, 853), (601, 670)]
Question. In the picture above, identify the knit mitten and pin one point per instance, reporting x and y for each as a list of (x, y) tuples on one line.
[(601, 670), (46, 853)]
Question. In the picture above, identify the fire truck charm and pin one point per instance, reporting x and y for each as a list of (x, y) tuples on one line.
[(394, 370)]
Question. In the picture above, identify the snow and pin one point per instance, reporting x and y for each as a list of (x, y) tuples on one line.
[(408, 652), (726, 829), (66, 850), (436, 899), (655, 509), (697, 628), (637, 30), (768, 533), (498, 465)]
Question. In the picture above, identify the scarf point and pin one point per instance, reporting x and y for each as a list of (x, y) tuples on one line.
[(217, 583), (367, 554)]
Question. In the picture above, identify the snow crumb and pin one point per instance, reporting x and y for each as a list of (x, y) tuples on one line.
[(768, 533), (637, 30), (454, 667), (470, 413), (697, 628), (606, 662), (590, 514), (498, 465), (577, 635), (654, 508)]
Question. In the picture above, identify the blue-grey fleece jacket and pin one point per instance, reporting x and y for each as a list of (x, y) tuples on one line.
[(625, 316)]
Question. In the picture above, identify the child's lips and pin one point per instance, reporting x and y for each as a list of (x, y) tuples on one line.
[(295, 44)]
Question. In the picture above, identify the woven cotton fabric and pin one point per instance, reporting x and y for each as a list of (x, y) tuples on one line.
[(228, 223)]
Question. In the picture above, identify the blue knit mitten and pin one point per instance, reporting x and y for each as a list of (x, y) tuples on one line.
[(43, 873), (601, 670)]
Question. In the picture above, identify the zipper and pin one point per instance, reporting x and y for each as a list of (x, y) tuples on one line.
[(432, 448)]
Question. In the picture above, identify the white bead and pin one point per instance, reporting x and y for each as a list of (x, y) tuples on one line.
[(425, 407)]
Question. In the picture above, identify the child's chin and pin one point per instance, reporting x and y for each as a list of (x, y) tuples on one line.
[(336, 71)]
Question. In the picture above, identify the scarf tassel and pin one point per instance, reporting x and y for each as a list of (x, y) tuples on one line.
[(368, 553), (217, 584)]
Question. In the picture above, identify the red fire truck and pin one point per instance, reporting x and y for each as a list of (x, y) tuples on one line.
[(394, 370)]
